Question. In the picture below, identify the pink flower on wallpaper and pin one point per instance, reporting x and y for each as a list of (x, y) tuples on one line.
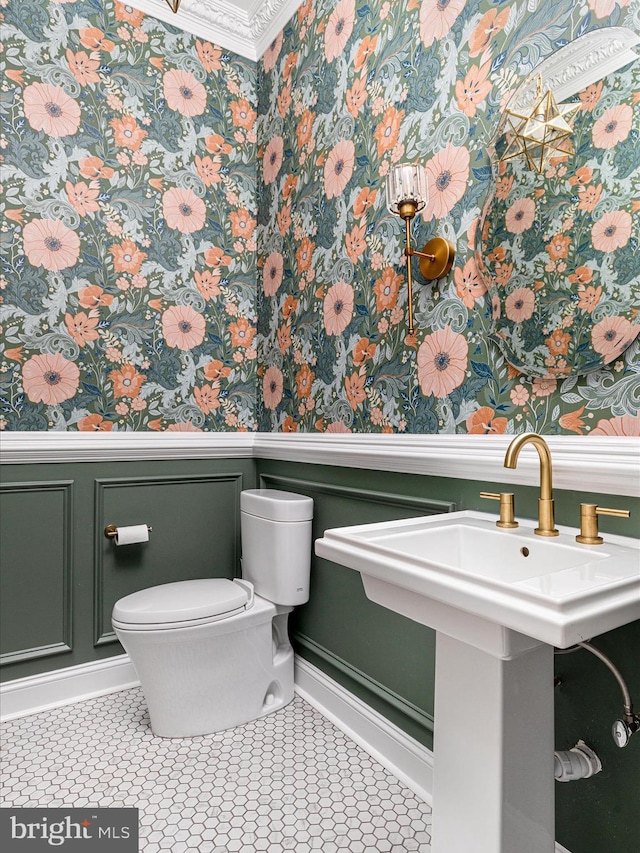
[(126, 380), (612, 231), (487, 27), (207, 397), (473, 90), (543, 386), (338, 427), (243, 113), (447, 175), (207, 283), (612, 336), (469, 285), (625, 425), (272, 160), (437, 17), (442, 361), (209, 55), (603, 8), (50, 244), (93, 168), (339, 168), (338, 308), (272, 273), (83, 67), (127, 133), (185, 426), (387, 131), (613, 126), (183, 210), (94, 296), (94, 423), (83, 197), (520, 215), (183, 327), (520, 304), (271, 54), (50, 379), (94, 39), (208, 169), (50, 109), (184, 93), (82, 327), (484, 422), (590, 96), (339, 28), (127, 257), (272, 387)]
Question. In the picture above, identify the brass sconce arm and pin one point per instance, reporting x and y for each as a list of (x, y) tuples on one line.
[(436, 257)]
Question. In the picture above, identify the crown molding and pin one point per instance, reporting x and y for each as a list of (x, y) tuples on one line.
[(580, 63), (246, 27)]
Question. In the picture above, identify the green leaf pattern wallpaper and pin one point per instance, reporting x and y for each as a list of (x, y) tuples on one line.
[(128, 244), (349, 89), (194, 241)]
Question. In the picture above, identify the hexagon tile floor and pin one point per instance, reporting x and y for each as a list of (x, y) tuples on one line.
[(289, 781)]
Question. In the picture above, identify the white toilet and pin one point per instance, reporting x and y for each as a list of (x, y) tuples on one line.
[(214, 653)]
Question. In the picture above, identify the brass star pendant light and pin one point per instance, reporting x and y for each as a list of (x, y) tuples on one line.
[(535, 135), (174, 5)]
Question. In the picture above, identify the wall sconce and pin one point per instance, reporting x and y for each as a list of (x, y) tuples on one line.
[(545, 128), (407, 193)]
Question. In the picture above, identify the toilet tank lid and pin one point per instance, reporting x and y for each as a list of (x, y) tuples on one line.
[(182, 601), (276, 505)]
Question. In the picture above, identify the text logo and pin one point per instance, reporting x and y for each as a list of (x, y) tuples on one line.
[(88, 829)]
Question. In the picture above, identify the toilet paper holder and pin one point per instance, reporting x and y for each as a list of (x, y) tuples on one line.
[(111, 530)]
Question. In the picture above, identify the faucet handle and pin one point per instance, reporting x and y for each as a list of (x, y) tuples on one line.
[(589, 522), (507, 507)]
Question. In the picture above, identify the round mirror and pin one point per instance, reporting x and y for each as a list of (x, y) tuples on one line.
[(559, 240)]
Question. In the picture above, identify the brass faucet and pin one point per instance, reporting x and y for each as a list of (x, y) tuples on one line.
[(546, 525)]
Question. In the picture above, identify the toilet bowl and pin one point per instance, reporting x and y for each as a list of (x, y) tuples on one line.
[(214, 653)]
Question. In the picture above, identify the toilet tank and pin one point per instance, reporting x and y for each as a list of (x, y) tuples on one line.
[(276, 544)]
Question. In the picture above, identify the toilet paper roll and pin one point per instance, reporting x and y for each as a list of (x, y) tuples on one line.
[(131, 535)]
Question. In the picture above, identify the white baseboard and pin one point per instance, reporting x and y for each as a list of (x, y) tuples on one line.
[(25, 696), (408, 760)]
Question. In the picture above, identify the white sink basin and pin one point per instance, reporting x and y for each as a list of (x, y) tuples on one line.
[(499, 599), (553, 590)]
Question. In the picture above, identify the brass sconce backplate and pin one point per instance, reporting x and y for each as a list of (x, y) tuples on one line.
[(442, 254)]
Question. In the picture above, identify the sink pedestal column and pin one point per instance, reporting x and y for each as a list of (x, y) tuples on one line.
[(493, 786)]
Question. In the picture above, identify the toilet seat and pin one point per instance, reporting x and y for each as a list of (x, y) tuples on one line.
[(183, 604)]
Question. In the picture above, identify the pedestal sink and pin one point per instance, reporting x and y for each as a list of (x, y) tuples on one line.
[(499, 600)]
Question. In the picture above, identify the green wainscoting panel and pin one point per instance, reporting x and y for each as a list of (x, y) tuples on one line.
[(55, 553), (36, 527), (339, 629), (387, 660), (195, 522)]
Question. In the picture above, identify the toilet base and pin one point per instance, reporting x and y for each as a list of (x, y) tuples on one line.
[(216, 676)]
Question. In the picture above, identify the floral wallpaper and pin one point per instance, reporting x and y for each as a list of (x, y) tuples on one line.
[(189, 242), (128, 237), (558, 250), (346, 91)]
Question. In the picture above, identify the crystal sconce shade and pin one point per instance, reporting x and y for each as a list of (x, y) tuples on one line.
[(407, 192), (406, 185)]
